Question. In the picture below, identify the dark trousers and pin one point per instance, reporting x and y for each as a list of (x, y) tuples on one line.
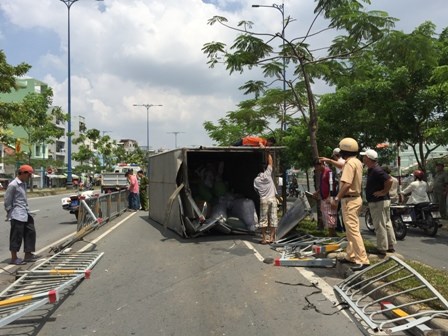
[(339, 223), (22, 231), (134, 201)]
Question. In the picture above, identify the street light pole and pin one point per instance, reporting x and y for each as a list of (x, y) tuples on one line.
[(281, 9), (69, 184), (148, 106), (175, 137)]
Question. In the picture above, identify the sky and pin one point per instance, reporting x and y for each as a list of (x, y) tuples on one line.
[(126, 52)]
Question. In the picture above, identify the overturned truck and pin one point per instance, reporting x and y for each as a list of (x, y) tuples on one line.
[(196, 190)]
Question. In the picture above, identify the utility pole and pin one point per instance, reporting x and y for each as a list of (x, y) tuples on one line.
[(148, 106), (175, 137)]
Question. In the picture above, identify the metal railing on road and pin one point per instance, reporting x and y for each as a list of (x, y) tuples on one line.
[(95, 212), (45, 284), (391, 296)]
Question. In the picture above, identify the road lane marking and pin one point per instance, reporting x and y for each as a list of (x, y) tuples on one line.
[(42, 250), (97, 239), (311, 277)]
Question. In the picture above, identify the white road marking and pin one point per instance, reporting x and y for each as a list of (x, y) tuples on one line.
[(96, 240), (327, 290)]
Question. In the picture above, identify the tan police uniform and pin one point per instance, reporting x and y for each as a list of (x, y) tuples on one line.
[(351, 205)]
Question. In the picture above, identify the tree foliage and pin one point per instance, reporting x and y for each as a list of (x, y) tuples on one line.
[(359, 29), (397, 92), (8, 75), (36, 115)]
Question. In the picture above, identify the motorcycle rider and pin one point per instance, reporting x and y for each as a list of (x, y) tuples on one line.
[(418, 189)]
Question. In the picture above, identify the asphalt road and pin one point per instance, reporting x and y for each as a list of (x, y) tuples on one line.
[(420, 247), (151, 282), (51, 222)]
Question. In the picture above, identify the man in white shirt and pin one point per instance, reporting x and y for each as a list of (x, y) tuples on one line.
[(264, 185)]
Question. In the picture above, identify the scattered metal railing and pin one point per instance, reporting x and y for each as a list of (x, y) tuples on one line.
[(45, 283), (378, 292)]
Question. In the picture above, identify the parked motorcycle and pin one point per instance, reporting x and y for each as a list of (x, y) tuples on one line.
[(72, 202), (425, 216), (400, 228)]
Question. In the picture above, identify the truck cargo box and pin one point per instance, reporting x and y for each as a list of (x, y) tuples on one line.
[(186, 185)]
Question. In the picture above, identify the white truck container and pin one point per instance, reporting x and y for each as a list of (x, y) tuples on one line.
[(115, 180), (182, 197)]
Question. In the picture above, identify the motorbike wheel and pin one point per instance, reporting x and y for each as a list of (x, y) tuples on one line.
[(431, 226), (368, 220), (400, 228)]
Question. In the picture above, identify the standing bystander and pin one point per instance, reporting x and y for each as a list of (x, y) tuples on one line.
[(324, 192), (143, 190), (440, 188), (22, 223), (264, 185), (133, 197), (377, 195)]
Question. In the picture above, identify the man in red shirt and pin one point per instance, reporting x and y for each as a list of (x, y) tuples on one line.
[(133, 197), (254, 141), (326, 187)]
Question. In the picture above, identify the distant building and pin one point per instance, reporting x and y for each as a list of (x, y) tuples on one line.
[(129, 145), (56, 150)]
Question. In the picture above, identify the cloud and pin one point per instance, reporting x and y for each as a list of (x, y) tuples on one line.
[(149, 51)]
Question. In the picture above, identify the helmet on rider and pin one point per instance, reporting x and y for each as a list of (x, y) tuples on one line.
[(418, 174), (349, 147)]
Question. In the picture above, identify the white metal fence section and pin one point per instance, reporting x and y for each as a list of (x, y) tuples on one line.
[(391, 296), (45, 283)]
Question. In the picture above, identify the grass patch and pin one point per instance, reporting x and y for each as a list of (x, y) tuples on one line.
[(437, 278)]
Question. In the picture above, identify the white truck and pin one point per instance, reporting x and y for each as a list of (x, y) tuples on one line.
[(115, 180)]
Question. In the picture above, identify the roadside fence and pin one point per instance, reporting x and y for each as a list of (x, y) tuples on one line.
[(94, 212)]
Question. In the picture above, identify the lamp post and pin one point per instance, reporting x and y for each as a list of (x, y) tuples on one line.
[(175, 137), (148, 106), (69, 4), (281, 9)]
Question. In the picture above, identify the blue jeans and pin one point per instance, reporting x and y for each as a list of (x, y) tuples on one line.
[(133, 200)]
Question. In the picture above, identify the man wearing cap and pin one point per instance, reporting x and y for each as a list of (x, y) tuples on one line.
[(349, 195), (440, 188), (22, 223), (377, 194)]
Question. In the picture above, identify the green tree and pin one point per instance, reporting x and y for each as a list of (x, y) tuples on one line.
[(359, 28), (37, 117), (8, 75), (252, 117), (398, 92)]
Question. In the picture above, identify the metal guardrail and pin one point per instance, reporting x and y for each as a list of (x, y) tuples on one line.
[(45, 283), (391, 296), (95, 212), (101, 208)]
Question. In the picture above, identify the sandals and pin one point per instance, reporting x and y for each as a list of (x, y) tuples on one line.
[(17, 261)]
